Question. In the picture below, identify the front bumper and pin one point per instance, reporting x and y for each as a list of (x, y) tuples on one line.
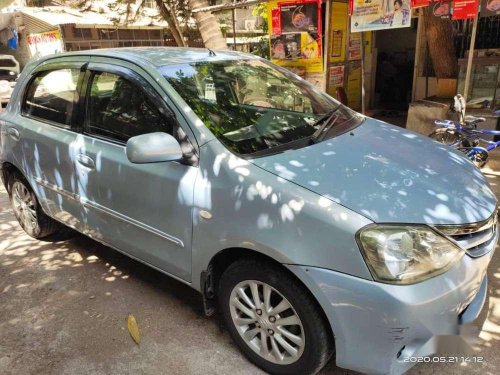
[(377, 326)]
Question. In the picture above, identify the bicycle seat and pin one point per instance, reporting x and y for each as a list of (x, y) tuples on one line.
[(473, 120)]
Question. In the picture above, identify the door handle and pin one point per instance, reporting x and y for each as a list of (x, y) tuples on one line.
[(85, 161), (13, 133)]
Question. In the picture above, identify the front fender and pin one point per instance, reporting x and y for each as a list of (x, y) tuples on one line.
[(239, 205)]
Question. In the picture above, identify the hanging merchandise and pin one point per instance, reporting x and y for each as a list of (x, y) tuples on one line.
[(12, 42)]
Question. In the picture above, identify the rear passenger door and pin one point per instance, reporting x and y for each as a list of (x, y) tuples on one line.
[(48, 115), (144, 210)]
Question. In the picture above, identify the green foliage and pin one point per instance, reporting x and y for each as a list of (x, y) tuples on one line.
[(262, 48), (261, 11)]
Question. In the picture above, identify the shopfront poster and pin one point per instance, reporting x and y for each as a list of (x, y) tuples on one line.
[(299, 16), (336, 76), (354, 47), (296, 42), (43, 44), (338, 27), (490, 8), (464, 9), (275, 21), (370, 15)]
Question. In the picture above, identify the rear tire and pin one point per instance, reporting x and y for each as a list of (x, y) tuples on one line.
[(282, 330), (27, 209)]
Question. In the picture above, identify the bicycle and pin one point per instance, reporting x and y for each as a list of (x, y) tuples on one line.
[(463, 135)]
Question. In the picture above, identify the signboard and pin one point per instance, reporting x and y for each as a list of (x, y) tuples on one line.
[(464, 9), (490, 8), (43, 44), (420, 3), (370, 15), (295, 34)]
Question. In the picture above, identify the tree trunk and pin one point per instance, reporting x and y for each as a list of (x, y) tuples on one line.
[(208, 26), (441, 48), (171, 19)]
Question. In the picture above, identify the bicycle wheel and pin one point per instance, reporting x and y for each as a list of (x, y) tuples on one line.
[(447, 137)]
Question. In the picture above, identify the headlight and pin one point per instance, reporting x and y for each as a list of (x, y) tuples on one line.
[(406, 254)]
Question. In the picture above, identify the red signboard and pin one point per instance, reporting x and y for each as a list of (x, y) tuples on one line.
[(464, 9), (276, 21), (420, 3)]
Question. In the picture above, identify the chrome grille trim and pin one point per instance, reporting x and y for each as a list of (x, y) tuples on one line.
[(476, 239), (459, 230)]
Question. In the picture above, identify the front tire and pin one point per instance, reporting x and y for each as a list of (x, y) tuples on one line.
[(27, 209), (273, 319)]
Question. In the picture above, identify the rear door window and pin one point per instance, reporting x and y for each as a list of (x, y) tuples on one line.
[(52, 96)]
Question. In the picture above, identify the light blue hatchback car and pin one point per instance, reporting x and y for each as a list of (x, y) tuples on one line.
[(314, 230)]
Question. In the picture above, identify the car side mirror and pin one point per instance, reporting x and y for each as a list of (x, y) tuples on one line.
[(153, 148)]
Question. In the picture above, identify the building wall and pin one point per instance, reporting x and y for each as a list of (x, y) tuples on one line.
[(22, 52), (83, 38)]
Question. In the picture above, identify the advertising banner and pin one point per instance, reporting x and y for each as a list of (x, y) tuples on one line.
[(295, 34), (42, 44), (420, 3), (464, 9), (490, 8), (370, 15)]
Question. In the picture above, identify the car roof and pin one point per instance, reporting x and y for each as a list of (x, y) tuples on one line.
[(160, 56)]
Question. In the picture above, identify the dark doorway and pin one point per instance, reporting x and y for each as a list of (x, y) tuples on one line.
[(395, 51)]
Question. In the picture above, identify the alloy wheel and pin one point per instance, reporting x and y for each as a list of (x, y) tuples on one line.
[(24, 207), (267, 322)]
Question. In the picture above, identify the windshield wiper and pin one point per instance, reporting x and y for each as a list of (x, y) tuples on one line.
[(328, 120)]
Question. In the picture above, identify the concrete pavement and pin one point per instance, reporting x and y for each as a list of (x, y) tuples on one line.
[(64, 304)]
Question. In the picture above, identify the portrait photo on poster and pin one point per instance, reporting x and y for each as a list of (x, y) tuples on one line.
[(369, 15), (490, 8)]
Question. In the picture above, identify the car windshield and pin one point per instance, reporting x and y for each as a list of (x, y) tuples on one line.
[(253, 107)]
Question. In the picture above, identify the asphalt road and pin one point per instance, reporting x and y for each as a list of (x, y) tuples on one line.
[(64, 304)]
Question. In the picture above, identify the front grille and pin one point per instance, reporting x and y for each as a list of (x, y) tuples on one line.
[(476, 239)]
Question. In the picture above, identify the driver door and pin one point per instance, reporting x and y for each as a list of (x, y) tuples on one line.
[(144, 210)]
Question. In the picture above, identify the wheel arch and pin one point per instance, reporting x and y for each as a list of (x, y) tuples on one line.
[(8, 169), (210, 277)]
